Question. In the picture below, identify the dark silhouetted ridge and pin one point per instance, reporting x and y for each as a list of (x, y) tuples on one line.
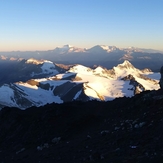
[(122, 130)]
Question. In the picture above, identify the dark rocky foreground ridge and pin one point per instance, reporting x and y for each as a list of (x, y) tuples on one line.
[(123, 130)]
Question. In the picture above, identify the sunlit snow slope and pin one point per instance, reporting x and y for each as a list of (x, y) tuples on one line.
[(109, 84), (79, 83)]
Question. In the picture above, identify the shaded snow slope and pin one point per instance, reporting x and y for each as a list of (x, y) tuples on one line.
[(47, 67), (38, 92)]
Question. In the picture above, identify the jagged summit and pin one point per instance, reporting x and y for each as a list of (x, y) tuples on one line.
[(126, 64), (125, 68), (99, 69)]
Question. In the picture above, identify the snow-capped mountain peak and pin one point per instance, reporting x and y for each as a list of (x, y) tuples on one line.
[(34, 61), (81, 69), (46, 67), (68, 49), (38, 62), (108, 48), (78, 83), (103, 49), (99, 69), (124, 69), (125, 65)]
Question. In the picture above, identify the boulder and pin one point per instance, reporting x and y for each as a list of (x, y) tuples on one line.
[(161, 79)]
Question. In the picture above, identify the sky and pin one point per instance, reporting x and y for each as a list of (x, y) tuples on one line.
[(46, 24)]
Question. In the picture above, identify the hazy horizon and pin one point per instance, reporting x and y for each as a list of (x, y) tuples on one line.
[(161, 50), (44, 25)]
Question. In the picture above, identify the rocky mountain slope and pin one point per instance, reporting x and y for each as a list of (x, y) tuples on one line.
[(123, 130), (78, 83)]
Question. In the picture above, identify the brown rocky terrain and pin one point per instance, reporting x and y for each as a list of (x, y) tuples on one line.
[(123, 130)]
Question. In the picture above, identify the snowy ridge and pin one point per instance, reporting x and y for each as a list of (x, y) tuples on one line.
[(79, 83), (34, 61), (46, 66), (100, 48), (108, 48), (125, 69), (106, 85)]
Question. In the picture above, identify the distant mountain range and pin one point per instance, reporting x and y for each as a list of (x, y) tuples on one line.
[(107, 56), (38, 82)]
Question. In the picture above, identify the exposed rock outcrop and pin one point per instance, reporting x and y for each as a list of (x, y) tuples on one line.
[(127, 130), (138, 88), (161, 79)]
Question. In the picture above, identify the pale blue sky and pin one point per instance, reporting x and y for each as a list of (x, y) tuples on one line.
[(46, 24)]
